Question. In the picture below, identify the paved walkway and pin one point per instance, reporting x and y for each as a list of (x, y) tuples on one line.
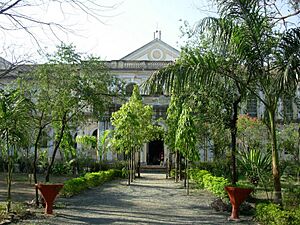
[(149, 200)]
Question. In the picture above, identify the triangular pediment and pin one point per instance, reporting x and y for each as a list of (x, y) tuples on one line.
[(156, 50)]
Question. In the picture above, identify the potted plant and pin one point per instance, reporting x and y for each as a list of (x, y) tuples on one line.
[(49, 193), (237, 195)]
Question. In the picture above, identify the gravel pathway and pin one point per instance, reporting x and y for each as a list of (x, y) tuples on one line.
[(149, 200)]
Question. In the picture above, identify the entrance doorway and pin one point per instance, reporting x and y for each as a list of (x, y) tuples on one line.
[(155, 153)]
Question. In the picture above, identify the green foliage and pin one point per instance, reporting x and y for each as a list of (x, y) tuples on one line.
[(132, 123), (76, 185), (87, 140), (43, 160), (15, 125), (197, 176), (95, 179), (271, 214), (252, 133), (173, 114), (64, 88), (62, 168), (256, 165), (291, 193), (214, 184), (288, 141), (67, 146), (219, 167), (186, 135)]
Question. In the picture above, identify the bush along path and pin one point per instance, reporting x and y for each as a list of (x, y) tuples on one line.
[(77, 185), (152, 199), (24, 211), (265, 213)]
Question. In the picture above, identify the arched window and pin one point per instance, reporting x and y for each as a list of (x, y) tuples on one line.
[(129, 89)]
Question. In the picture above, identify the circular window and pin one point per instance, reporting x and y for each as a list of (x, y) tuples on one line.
[(157, 54)]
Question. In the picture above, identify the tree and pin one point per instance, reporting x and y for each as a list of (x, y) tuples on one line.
[(270, 57), (201, 69), (90, 142), (68, 88), (251, 54), (186, 139), (27, 16), (173, 115), (132, 127), (15, 110)]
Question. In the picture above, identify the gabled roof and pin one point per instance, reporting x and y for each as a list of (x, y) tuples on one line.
[(156, 50)]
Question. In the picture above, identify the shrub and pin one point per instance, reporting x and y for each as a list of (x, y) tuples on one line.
[(220, 168), (197, 176), (62, 168), (76, 185), (206, 180), (271, 214), (94, 179), (215, 184)]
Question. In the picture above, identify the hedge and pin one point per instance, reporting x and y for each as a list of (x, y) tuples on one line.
[(272, 214), (206, 180), (76, 185), (197, 176)]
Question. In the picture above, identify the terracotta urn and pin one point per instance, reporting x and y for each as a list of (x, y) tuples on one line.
[(237, 196), (49, 193)]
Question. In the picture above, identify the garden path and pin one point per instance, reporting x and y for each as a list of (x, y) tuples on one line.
[(151, 199)]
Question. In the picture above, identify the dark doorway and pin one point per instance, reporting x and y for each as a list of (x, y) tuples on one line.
[(155, 153)]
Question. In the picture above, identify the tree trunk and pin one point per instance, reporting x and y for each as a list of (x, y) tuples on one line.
[(9, 179), (35, 166), (139, 164), (275, 158), (133, 165), (179, 166), (129, 169), (170, 165), (187, 178), (167, 168), (57, 144), (185, 173), (9, 175), (176, 166), (233, 132)]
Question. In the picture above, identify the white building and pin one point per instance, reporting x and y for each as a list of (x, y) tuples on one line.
[(135, 68)]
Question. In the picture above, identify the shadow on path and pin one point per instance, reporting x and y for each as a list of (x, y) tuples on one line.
[(149, 200)]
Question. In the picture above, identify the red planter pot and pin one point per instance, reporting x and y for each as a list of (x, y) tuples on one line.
[(49, 193), (237, 196)]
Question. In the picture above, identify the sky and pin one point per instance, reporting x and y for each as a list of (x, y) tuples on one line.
[(118, 31), (120, 26)]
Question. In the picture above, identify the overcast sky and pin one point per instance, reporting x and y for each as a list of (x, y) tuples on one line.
[(120, 31), (124, 29)]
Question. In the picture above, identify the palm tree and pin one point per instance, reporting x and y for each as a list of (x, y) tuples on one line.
[(247, 51)]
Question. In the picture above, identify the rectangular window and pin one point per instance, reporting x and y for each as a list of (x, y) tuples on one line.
[(252, 106), (288, 109)]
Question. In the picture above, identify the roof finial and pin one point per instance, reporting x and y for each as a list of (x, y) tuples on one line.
[(157, 34)]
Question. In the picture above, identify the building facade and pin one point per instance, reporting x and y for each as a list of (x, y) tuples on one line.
[(134, 69)]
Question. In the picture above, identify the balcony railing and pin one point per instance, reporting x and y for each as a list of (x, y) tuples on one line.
[(136, 65)]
